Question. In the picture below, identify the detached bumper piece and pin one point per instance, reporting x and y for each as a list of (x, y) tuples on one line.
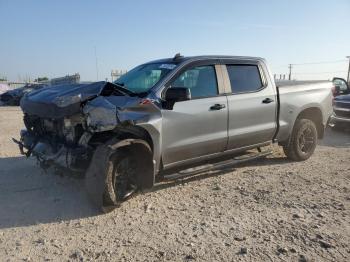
[(58, 155), (341, 110), (338, 119)]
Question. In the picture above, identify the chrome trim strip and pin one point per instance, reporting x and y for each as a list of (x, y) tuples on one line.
[(340, 119), (342, 109)]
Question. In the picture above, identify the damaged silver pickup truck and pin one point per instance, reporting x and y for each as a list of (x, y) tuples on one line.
[(170, 114)]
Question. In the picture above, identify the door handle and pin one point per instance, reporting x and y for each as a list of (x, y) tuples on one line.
[(267, 100), (217, 107)]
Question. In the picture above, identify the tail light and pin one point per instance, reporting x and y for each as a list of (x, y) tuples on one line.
[(334, 93)]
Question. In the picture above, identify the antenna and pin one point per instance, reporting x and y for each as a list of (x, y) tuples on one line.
[(96, 64), (177, 56)]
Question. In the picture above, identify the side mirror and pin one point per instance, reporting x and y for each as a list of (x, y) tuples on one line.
[(341, 86), (337, 89), (177, 94)]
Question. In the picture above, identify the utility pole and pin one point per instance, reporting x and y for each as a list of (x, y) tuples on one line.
[(290, 72), (348, 79)]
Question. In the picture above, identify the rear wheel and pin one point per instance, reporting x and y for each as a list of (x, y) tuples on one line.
[(303, 140)]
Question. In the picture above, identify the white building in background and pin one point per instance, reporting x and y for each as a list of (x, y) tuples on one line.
[(68, 79), (65, 80), (115, 74)]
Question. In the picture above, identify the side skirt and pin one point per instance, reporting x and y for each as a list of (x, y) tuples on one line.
[(222, 164)]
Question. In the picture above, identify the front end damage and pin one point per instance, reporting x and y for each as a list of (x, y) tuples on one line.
[(63, 129), (61, 143)]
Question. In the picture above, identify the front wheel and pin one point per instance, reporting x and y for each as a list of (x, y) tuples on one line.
[(121, 180), (303, 140), (117, 170)]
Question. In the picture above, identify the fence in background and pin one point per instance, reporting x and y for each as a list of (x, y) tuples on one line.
[(14, 85)]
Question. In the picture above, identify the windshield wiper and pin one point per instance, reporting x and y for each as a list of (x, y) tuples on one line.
[(121, 88), (119, 84)]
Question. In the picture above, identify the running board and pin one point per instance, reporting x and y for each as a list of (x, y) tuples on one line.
[(222, 164)]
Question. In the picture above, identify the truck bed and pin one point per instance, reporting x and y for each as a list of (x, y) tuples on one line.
[(295, 96), (283, 83)]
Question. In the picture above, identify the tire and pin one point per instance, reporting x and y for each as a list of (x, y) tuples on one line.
[(303, 141), (95, 176), (112, 175), (120, 180)]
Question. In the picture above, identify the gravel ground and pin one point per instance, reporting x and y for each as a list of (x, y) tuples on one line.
[(266, 210)]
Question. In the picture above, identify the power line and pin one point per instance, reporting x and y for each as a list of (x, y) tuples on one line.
[(323, 62), (312, 63), (319, 73)]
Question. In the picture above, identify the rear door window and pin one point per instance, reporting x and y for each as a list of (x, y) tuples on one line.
[(244, 78)]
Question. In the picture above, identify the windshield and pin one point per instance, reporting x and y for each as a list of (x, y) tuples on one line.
[(142, 78)]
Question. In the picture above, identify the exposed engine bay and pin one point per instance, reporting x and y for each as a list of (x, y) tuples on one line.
[(61, 141)]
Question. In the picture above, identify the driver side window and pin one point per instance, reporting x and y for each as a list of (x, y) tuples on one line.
[(201, 81)]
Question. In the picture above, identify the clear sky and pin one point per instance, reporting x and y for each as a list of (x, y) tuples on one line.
[(55, 38)]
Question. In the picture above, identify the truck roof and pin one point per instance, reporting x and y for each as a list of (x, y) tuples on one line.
[(180, 59)]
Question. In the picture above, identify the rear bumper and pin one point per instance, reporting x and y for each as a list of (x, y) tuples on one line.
[(59, 155)]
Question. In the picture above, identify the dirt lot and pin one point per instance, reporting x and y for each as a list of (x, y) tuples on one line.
[(267, 210)]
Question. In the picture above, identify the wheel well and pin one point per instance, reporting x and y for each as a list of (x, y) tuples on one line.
[(135, 132), (124, 132), (135, 141), (315, 115), (140, 152)]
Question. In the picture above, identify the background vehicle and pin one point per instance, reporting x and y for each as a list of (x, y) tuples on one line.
[(341, 105), (12, 97), (169, 114), (4, 88)]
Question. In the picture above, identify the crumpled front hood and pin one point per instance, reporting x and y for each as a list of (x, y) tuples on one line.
[(61, 100), (58, 94)]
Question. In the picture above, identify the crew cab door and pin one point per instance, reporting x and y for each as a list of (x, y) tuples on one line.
[(252, 103), (196, 127)]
